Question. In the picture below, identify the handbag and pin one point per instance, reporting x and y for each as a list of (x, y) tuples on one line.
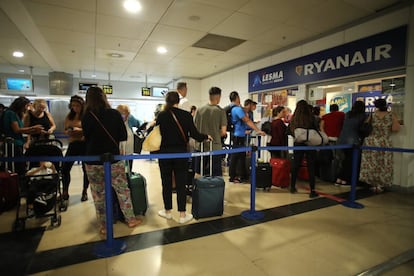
[(152, 141), (310, 136), (365, 128)]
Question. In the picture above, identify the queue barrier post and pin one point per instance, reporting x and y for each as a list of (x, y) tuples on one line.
[(110, 247), (252, 214), (354, 179)]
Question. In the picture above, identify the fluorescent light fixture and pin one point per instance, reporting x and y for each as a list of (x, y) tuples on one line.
[(161, 50), (18, 54), (93, 76), (21, 70), (115, 55), (132, 6)]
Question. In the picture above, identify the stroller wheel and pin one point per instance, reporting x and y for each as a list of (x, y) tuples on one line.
[(19, 225), (56, 220)]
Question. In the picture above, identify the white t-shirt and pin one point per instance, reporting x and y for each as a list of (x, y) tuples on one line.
[(184, 104)]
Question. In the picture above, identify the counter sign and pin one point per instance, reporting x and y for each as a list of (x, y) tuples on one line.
[(107, 89)]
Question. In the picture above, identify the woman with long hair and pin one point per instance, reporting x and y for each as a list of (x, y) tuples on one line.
[(303, 118), (103, 129), (175, 143), (14, 128), (377, 166), (350, 135), (278, 131), (76, 147)]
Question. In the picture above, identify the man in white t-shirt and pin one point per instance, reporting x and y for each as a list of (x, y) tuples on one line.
[(182, 91)]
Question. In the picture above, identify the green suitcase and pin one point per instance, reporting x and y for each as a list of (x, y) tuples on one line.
[(138, 187)]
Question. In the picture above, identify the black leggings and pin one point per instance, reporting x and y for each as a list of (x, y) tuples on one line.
[(180, 169), (75, 148)]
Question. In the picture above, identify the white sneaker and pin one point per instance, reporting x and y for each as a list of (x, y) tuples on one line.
[(186, 219), (164, 214)]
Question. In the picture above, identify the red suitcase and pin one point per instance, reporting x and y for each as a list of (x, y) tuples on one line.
[(9, 190), (280, 172)]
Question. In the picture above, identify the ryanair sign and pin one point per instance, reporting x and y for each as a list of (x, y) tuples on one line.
[(379, 52)]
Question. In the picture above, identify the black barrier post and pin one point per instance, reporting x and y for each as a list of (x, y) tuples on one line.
[(110, 247), (252, 214), (354, 179)]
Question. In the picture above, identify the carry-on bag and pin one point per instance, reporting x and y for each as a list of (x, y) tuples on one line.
[(280, 172), (9, 181), (263, 176), (263, 171), (138, 188), (208, 193)]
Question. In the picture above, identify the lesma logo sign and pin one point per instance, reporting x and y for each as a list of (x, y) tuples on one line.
[(272, 77)]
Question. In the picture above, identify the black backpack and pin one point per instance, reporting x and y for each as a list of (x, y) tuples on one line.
[(267, 127), (230, 125)]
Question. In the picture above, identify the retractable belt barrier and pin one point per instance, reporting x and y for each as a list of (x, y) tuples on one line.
[(112, 247)]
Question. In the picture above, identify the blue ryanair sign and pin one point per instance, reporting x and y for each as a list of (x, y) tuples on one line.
[(379, 52)]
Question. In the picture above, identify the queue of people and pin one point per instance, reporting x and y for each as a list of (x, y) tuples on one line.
[(94, 128)]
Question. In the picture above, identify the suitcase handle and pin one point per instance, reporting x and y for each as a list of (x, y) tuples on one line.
[(202, 159)]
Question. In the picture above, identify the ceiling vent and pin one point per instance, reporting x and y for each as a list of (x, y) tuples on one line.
[(218, 42)]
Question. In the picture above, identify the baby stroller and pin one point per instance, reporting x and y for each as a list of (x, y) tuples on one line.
[(41, 190)]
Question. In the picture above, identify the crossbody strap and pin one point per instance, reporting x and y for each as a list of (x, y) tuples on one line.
[(180, 127), (107, 132)]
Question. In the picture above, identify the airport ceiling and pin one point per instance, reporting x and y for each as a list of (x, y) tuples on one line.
[(202, 37)]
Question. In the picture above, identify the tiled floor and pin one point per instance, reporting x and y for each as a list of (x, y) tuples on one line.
[(298, 236)]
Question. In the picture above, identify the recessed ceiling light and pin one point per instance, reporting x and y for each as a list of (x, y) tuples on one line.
[(161, 50), (132, 6), (18, 54), (21, 70), (93, 76), (115, 55)]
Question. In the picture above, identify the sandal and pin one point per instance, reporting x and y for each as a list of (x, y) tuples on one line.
[(134, 222)]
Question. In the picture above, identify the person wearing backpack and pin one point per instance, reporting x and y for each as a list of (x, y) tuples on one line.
[(241, 122)]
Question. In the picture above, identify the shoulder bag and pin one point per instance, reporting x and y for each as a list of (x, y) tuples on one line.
[(310, 136), (152, 141)]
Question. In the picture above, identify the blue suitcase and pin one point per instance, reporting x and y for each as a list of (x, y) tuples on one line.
[(208, 195)]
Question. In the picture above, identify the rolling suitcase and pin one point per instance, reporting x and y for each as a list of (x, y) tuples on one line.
[(263, 176), (263, 171), (9, 182), (208, 194), (280, 172), (138, 188)]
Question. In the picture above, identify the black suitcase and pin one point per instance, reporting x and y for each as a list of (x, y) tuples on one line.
[(264, 176), (208, 194)]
